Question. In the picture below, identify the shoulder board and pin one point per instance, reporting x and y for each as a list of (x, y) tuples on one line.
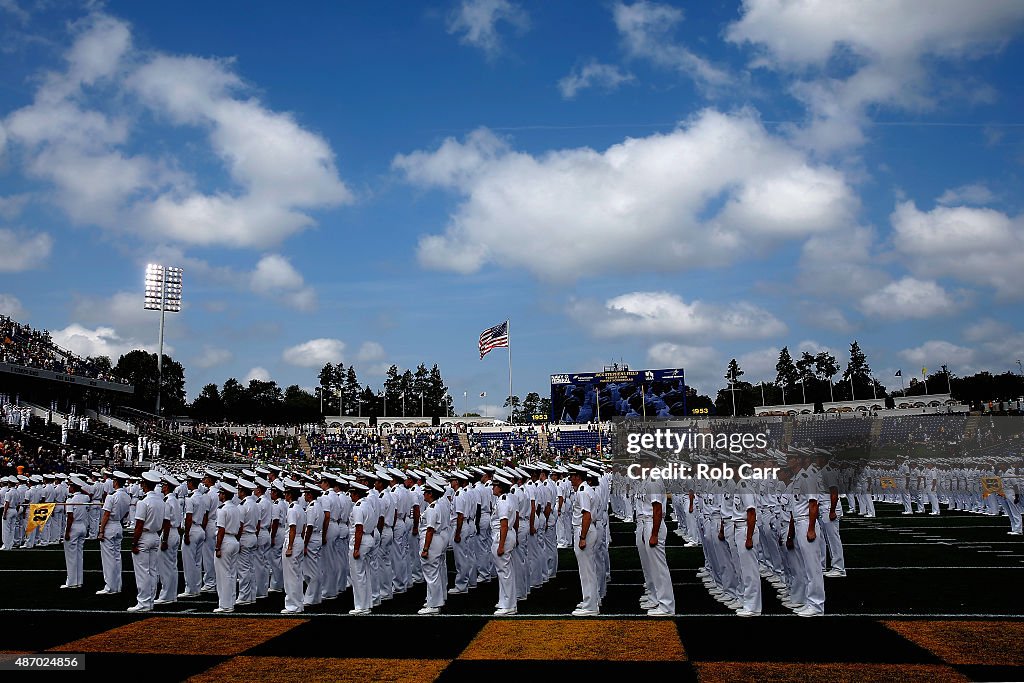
[(358, 502), (581, 487), (220, 506), (459, 492), (803, 474), (503, 496), (432, 505)]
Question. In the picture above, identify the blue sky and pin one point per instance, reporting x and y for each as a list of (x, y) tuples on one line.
[(673, 184)]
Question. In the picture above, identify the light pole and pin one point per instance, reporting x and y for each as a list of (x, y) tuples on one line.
[(762, 393), (732, 388), (831, 391), (783, 386), (423, 410), (803, 387), (163, 293)]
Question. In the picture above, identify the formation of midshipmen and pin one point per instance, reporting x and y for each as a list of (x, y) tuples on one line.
[(379, 531)]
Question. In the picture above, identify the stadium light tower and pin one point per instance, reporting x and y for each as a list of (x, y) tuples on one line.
[(163, 293)]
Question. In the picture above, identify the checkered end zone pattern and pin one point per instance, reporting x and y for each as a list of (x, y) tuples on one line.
[(425, 649)]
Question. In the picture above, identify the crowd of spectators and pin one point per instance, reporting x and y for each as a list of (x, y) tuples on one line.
[(22, 345), (348, 446), (434, 444)]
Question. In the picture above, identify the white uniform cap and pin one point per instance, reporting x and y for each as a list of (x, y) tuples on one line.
[(151, 476), (169, 478), (228, 488), (262, 483), (246, 484), (77, 482)]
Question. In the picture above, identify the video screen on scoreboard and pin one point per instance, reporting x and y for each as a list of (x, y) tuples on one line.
[(638, 394)]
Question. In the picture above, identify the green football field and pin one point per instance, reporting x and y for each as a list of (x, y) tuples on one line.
[(934, 598)]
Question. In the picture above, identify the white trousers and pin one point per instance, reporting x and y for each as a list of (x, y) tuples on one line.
[(147, 568), (192, 559), (110, 556), (809, 554), (655, 564), (587, 560), (750, 575), (226, 567), (168, 566), (73, 555), (358, 571), (246, 568), (291, 574)]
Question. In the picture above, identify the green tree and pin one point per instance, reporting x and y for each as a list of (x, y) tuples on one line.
[(544, 406), (350, 394), (514, 403), (530, 405), (139, 368), (825, 368), (208, 405), (299, 406), (785, 369), (234, 398), (392, 389)]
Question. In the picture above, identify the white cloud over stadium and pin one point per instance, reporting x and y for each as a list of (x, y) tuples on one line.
[(712, 192)]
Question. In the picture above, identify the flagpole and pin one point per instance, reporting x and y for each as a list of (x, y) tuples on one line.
[(508, 332)]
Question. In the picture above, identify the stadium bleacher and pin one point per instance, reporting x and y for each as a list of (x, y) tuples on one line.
[(22, 345)]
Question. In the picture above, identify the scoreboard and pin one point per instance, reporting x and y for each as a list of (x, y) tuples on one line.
[(591, 396)]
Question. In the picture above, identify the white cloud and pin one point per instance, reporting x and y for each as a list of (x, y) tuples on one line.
[(477, 22), (849, 56), (840, 263), (715, 190), (11, 6), (23, 250), (932, 354), (257, 373), (488, 410), (759, 364), (987, 329), (370, 351), (909, 298), (701, 364), (315, 353), (829, 317), (980, 246), (593, 75), (11, 306), (646, 28), (277, 170), (123, 310), (275, 276), (12, 205), (966, 194), (212, 356), (663, 314), (101, 341), (997, 346)]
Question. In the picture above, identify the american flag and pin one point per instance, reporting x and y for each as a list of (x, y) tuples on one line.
[(493, 338)]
